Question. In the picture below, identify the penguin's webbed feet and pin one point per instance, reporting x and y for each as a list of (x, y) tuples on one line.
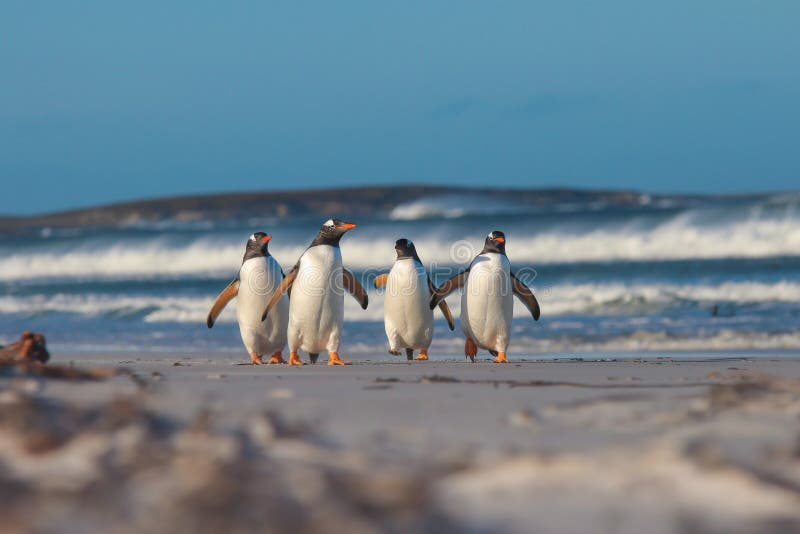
[(277, 358), (333, 359), (501, 358), (255, 359), (394, 352), (294, 359), (423, 355)]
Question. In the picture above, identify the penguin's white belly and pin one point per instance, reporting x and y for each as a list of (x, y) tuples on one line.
[(487, 303), (258, 279), (316, 306), (407, 315)]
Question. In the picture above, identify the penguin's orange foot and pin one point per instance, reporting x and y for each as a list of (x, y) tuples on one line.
[(333, 359), (423, 355), (277, 358), (294, 359), (470, 349), (255, 359), (501, 358)]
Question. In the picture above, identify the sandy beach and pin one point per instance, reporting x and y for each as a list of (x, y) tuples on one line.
[(203, 443), (602, 199)]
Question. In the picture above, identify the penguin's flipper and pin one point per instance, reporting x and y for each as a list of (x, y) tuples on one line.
[(448, 287), (355, 288), (288, 291), (380, 281), (447, 315), (443, 307), (224, 298), (525, 295), (284, 286)]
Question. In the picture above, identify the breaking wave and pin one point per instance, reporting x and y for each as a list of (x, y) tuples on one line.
[(453, 206), (154, 258), (558, 300), (680, 237), (641, 298)]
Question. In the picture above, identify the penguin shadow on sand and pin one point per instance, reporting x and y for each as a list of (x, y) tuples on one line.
[(407, 317)]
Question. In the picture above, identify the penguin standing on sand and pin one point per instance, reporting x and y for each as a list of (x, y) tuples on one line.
[(407, 317), (486, 304), (317, 283), (258, 278)]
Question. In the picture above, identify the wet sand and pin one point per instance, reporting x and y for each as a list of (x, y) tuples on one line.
[(199, 443)]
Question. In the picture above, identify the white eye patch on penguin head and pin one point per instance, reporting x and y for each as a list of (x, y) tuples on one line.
[(259, 239), (495, 242), (497, 236), (336, 226)]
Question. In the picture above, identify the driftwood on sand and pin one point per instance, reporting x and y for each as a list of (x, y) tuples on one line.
[(28, 356), (30, 347)]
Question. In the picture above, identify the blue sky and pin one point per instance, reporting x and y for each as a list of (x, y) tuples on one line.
[(103, 101)]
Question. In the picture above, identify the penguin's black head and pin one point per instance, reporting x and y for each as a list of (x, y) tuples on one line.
[(495, 242), (257, 245), (405, 249), (332, 231)]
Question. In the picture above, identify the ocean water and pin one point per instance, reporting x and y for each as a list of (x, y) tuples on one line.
[(667, 275)]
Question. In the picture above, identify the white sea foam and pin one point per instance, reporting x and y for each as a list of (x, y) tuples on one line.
[(625, 298), (150, 308), (452, 206), (142, 259), (684, 236), (642, 341), (555, 301)]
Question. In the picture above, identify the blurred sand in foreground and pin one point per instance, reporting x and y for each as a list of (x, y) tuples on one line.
[(202, 444)]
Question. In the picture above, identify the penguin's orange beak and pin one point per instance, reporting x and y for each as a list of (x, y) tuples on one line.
[(266, 238), (500, 239), (346, 226)]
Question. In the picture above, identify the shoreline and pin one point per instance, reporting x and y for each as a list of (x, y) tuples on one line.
[(361, 357)]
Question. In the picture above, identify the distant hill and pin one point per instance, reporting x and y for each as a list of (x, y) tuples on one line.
[(374, 201)]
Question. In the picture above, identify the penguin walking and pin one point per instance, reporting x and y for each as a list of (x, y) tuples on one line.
[(407, 317), (486, 303), (258, 278), (317, 283)]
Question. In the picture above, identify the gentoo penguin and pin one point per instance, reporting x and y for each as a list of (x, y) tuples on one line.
[(317, 283), (258, 278), (407, 317), (486, 303)]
